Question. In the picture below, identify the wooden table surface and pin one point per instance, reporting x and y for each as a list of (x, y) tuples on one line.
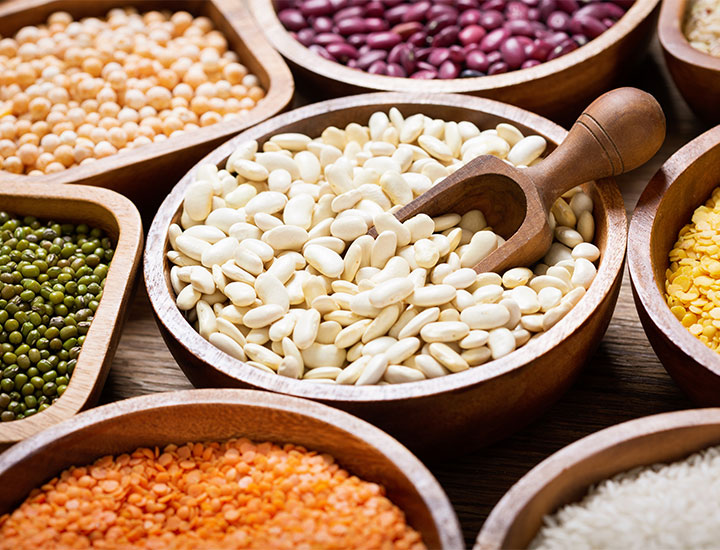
[(623, 380)]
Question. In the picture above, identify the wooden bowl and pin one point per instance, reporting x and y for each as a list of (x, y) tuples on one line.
[(558, 88), (490, 401), (567, 475), (683, 183), (696, 74), (120, 219), (145, 174), (216, 415)]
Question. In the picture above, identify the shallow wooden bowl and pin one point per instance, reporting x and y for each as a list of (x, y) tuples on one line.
[(120, 219), (216, 415), (559, 88), (463, 409), (567, 475), (683, 183), (696, 74), (145, 174)]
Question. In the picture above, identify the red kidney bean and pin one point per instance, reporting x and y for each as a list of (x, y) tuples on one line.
[(379, 67), (516, 10), (405, 30), (513, 52), (292, 20), (613, 10), (438, 56), (540, 50), (493, 39), (472, 34), (581, 39), (448, 70), (310, 8), (560, 50), (477, 61), (305, 36), (446, 37), (496, 5), (393, 69), (533, 14), (590, 27), (326, 38), (531, 3), (375, 9), (422, 54), (356, 40), (469, 17), (383, 40), (467, 4), (439, 10), (391, 3), (352, 63), (494, 57), (568, 6), (457, 54), (557, 38), (439, 23), (342, 51), (608, 22), (375, 24), (322, 52), (339, 4), (352, 25), (425, 74), (395, 14), (425, 66), (525, 41), (547, 7), (322, 24), (529, 63), (367, 59), (419, 39), (351, 11), (497, 68), (519, 27), (416, 12), (558, 21), (597, 11), (491, 19)]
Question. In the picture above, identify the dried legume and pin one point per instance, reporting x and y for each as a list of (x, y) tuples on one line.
[(407, 294), (701, 26), (72, 92), (51, 281), (229, 495), (693, 278)]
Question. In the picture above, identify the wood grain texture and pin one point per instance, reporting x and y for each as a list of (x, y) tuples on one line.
[(696, 74), (622, 380), (216, 415), (120, 219), (566, 476), (682, 184), (502, 395), (562, 86), (145, 174)]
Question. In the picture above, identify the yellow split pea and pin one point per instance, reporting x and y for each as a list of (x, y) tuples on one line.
[(693, 278)]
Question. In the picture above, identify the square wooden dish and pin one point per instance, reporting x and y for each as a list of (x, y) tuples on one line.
[(558, 89), (488, 402), (145, 174), (117, 216), (696, 74)]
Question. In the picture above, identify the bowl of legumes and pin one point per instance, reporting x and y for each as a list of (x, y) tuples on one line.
[(128, 95), (674, 266), (67, 266), (647, 483), (220, 469), (688, 34), (548, 56), (400, 329)]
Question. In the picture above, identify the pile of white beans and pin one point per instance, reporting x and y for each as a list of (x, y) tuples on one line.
[(274, 266)]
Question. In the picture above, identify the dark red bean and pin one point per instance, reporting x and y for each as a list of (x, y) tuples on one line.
[(446, 37), (356, 40), (379, 67), (562, 49), (513, 52), (352, 63), (367, 59), (557, 38), (590, 27), (375, 24), (608, 22), (525, 41), (407, 60), (613, 10), (497, 68), (472, 34), (426, 74), (533, 14), (342, 51), (568, 6), (531, 3), (322, 24), (305, 36), (439, 10), (496, 5), (457, 54), (339, 4), (292, 19), (326, 38), (469, 73), (419, 39), (440, 23), (375, 9), (416, 12), (529, 63), (364, 49), (438, 56), (469, 17), (393, 69), (313, 8), (394, 54), (477, 61), (540, 50), (352, 25), (351, 11), (407, 29), (322, 52), (494, 57), (422, 54), (383, 40), (448, 70), (519, 27), (516, 10), (546, 7), (395, 14), (391, 3), (558, 21), (467, 4), (493, 39), (581, 39), (425, 66), (491, 19)]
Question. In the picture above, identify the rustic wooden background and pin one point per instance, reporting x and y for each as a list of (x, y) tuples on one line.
[(624, 379)]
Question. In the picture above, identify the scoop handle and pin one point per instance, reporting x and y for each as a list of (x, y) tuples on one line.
[(617, 132)]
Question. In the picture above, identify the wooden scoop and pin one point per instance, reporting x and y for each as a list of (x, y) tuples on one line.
[(619, 131)]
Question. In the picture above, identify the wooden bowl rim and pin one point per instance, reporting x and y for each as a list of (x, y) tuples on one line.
[(295, 52), (503, 515), (642, 273), (167, 313), (279, 94), (674, 42), (116, 295), (429, 489)]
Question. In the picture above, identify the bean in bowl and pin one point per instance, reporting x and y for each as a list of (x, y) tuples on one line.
[(428, 40), (274, 266)]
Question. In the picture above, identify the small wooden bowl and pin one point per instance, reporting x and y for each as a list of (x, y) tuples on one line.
[(558, 88), (216, 415), (696, 74), (146, 173), (489, 401), (567, 475), (683, 183), (119, 218)]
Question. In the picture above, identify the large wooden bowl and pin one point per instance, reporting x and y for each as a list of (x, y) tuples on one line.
[(145, 174), (683, 183), (696, 74), (558, 89), (567, 475), (216, 415), (121, 221), (473, 407)]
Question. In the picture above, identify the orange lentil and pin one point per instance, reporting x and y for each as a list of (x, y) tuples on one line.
[(232, 495)]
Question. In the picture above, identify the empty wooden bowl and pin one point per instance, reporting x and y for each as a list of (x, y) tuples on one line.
[(558, 89), (119, 218), (566, 476), (696, 74), (145, 174), (216, 415), (683, 183), (462, 409)]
